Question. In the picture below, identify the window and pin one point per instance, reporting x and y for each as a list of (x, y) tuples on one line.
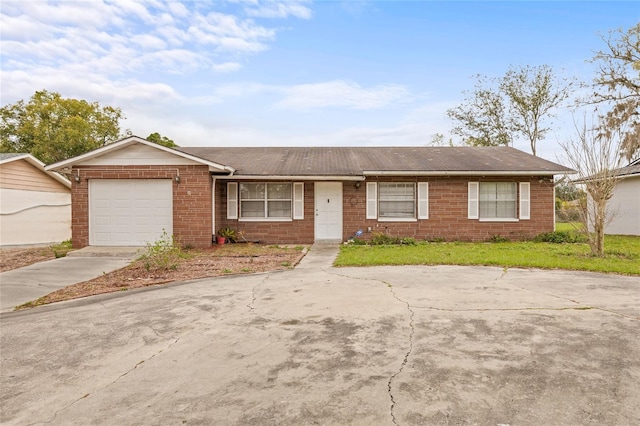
[(498, 200), (399, 201), (265, 201), (396, 200)]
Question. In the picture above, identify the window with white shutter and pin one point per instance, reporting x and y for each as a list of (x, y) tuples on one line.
[(423, 200), (372, 200), (473, 205), (298, 200), (232, 200), (525, 200)]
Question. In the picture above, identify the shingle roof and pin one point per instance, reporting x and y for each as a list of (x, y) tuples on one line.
[(357, 161), (631, 169)]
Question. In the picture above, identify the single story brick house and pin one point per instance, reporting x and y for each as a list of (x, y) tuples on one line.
[(128, 192)]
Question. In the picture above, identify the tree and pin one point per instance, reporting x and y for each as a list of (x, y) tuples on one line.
[(439, 139), (533, 93), (594, 155), (161, 140), (617, 83), (519, 104), (53, 128), (481, 118)]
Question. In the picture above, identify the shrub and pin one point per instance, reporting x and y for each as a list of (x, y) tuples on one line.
[(436, 240), (559, 237), (408, 241), (498, 239), (163, 254), (379, 239), (61, 249)]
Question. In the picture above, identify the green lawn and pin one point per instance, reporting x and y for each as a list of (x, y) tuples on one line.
[(622, 255)]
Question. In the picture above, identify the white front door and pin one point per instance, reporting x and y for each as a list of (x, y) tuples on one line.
[(328, 210)]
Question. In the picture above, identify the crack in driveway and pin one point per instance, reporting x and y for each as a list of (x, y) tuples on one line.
[(72, 403), (251, 304), (407, 354)]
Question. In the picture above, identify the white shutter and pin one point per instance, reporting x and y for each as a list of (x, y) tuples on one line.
[(372, 200), (232, 200), (298, 200), (474, 205), (525, 200), (423, 200)]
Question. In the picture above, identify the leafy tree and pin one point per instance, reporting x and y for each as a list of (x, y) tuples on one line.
[(568, 192), (440, 140), (161, 140), (519, 104), (617, 83), (533, 93), (53, 128), (482, 117), (594, 155)]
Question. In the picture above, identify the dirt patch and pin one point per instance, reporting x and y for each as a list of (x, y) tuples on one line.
[(20, 257), (217, 261)]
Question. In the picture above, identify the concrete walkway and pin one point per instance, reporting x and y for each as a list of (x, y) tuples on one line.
[(31, 282)]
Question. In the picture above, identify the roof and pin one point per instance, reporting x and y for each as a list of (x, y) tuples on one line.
[(632, 169), (9, 157), (363, 161), (131, 140)]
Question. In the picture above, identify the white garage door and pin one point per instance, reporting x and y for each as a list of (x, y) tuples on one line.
[(129, 212)]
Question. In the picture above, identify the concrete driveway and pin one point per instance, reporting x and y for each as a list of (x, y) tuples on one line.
[(322, 345), (34, 281)]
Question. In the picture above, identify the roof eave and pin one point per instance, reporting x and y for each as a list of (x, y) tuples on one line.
[(293, 177), (61, 165), (467, 173)]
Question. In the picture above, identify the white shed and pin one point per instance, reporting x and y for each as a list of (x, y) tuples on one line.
[(625, 203), (35, 205)]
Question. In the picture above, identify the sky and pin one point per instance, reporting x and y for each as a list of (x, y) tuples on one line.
[(285, 73)]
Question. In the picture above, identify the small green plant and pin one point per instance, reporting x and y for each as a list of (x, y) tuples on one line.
[(228, 233), (285, 264), (61, 249), (498, 239), (436, 240), (163, 254), (408, 241), (245, 269), (227, 271)]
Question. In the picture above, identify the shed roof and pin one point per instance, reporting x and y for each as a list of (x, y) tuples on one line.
[(362, 161)]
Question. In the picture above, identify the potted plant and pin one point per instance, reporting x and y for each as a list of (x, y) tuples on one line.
[(225, 234)]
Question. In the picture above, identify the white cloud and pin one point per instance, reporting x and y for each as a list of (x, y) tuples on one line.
[(106, 41), (226, 67), (277, 9), (229, 33), (341, 94)]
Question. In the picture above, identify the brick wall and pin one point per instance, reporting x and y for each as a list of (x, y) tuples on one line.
[(192, 216), (289, 232), (448, 212)]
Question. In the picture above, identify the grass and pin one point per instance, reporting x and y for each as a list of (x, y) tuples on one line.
[(622, 255)]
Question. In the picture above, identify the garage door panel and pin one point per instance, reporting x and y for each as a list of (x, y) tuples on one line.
[(129, 212)]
